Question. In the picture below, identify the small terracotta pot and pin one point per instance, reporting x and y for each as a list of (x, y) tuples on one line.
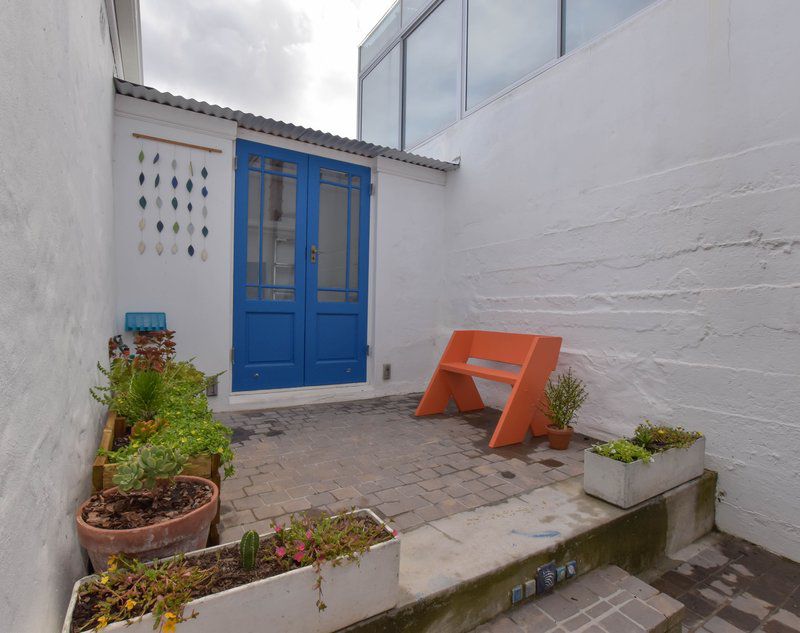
[(559, 438), (185, 533)]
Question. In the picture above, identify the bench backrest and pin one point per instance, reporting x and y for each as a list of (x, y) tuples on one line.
[(501, 347)]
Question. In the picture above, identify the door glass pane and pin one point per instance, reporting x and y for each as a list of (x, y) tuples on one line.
[(278, 230), (279, 165), (331, 296), (253, 227), (332, 260), (277, 294), (412, 8), (332, 175), (432, 63), (388, 28), (252, 293), (380, 102), (586, 19), (355, 207), (506, 40)]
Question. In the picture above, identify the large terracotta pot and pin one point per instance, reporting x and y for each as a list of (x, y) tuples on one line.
[(559, 438), (185, 533)]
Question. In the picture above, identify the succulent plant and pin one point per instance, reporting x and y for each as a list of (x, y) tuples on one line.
[(147, 467), (248, 550)]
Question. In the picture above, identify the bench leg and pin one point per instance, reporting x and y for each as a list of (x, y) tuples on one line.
[(516, 419), (445, 385)]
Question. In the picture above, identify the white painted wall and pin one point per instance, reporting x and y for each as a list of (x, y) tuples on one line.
[(56, 283), (405, 259), (641, 199)]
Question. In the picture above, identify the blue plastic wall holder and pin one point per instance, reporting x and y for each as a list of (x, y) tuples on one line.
[(145, 321)]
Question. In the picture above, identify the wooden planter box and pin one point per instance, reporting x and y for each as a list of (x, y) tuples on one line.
[(206, 466), (626, 485), (353, 591)]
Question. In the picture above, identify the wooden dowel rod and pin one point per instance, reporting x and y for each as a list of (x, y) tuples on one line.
[(158, 139)]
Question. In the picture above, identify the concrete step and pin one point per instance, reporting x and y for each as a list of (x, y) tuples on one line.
[(461, 571), (607, 600)]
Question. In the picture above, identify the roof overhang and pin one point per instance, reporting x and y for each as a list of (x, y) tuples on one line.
[(125, 26)]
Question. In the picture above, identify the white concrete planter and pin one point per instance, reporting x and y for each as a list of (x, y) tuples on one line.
[(353, 591), (626, 485)]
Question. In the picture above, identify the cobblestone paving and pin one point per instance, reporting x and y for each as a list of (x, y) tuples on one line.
[(377, 454), (731, 586), (603, 601)]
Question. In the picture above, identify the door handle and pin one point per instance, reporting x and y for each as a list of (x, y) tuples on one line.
[(314, 252)]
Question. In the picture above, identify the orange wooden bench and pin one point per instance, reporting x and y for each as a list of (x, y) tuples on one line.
[(536, 356)]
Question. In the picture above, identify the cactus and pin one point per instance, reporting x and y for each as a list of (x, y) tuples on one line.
[(248, 550), (147, 467)]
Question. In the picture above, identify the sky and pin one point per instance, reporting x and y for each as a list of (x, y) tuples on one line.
[(292, 60)]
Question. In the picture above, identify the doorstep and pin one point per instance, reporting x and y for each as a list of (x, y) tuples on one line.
[(459, 572)]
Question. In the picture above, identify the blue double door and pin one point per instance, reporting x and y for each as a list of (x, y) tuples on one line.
[(301, 245)]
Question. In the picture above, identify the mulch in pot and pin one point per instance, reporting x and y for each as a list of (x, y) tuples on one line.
[(115, 510)]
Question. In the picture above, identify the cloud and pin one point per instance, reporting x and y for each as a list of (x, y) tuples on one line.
[(290, 60)]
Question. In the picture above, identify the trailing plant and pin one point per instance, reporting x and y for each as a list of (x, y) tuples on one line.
[(563, 398), (130, 589), (658, 438), (623, 451), (306, 541), (149, 467), (248, 550)]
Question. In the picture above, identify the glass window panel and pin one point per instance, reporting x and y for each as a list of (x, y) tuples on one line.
[(388, 28), (332, 175), (278, 230), (277, 294), (586, 19), (412, 8), (355, 181), (432, 63), (380, 102), (252, 293), (253, 227), (332, 259), (352, 297), (255, 162), (280, 165), (506, 40), (330, 296), (355, 207)]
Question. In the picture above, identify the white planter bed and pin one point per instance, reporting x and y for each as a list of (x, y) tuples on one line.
[(353, 591), (626, 485)]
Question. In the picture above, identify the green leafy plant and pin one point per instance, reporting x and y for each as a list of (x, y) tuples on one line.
[(143, 397), (306, 541), (130, 589), (248, 550), (623, 451), (563, 398), (149, 467), (658, 438)]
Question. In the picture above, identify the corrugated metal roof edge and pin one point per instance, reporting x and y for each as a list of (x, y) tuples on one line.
[(278, 128)]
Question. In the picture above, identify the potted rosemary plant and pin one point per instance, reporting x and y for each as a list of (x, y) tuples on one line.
[(562, 399)]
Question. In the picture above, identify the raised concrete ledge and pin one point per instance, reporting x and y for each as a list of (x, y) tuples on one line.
[(457, 572)]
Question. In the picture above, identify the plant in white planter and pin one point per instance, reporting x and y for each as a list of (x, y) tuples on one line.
[(272, 582), (626, 472)]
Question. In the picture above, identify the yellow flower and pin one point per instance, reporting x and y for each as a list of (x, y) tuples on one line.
[(169, 622), (112, 564), (103, 579), (130, 604), (102, 622), (661, 431)]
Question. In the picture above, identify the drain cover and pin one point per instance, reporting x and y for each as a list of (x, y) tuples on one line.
[(507, 474), (273, 433)]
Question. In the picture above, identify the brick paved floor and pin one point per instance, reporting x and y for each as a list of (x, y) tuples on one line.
[(377, 454), (603, 601), (731, 586)]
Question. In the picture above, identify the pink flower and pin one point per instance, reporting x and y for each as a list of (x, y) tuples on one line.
[(301, 547), (280, 552), (279, 527), (394, 532), (309, 534), (299, 557)]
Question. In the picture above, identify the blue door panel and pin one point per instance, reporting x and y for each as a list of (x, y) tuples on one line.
[(312, 329)]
